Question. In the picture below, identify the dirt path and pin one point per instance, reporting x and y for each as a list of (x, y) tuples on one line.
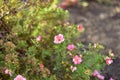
[(102, 24)]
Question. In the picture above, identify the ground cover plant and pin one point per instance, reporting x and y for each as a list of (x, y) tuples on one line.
[(37, 43)]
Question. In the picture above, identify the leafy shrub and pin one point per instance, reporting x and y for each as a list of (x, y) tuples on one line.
[(38, 44)]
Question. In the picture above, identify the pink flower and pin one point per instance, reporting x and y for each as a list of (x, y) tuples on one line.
[(64, 5), (19, 77), (41, 66), (7, 71), (77, 59), (101, 77), (58, 39), (38, 38), (71, 47), (80, 28), (73, 68), (95, 73), (111, 79), (108, 60)]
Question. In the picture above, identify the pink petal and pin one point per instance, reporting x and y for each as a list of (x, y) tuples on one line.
[(100, 77), (95, 73)]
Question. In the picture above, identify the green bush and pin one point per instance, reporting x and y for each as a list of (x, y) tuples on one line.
[(34, 43)]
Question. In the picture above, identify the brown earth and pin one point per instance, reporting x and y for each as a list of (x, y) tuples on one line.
[(101, 22)]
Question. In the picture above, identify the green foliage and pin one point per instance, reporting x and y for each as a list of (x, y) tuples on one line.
[(20, 51)]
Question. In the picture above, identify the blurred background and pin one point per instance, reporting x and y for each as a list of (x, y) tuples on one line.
[(101, 19)]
